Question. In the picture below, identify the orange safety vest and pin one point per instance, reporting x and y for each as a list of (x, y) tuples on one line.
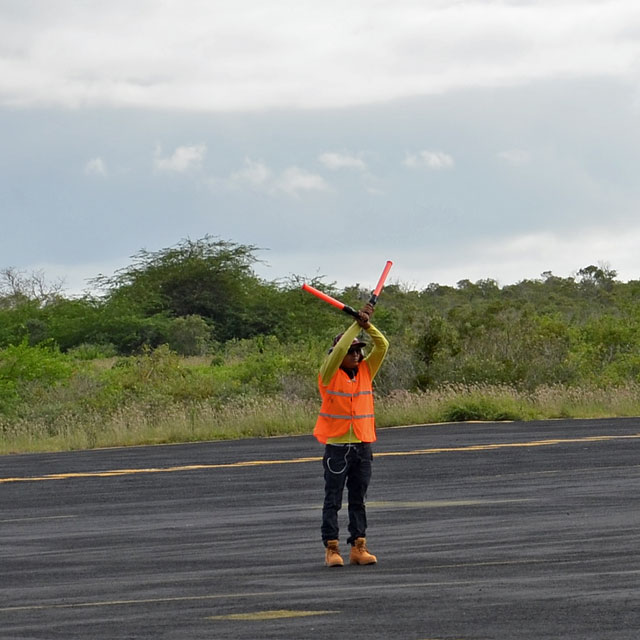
[(346, 402)]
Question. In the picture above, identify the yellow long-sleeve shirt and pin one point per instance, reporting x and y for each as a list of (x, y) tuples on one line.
[(333, 361)]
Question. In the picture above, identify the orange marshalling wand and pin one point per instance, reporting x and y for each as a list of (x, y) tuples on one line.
[(345, 307), (383, 277)]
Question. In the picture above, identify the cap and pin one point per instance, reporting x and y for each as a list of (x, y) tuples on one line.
[(354, 343)]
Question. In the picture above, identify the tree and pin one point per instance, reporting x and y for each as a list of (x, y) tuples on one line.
[(208, 277), (602, 277), (19, 287)]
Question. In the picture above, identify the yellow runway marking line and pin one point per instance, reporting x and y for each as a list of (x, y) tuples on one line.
[(125, 472), (271, 615), (509, 445), (260, 463), (120, 603)]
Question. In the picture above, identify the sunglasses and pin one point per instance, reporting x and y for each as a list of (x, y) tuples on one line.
[(354, 350)]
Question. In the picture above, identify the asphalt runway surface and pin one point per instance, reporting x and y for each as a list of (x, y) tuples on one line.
[(482, 531)]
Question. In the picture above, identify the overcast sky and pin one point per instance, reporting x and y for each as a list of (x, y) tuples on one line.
[(460, 139)]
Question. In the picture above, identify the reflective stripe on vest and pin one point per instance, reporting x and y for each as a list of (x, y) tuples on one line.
[(349, 395), (346, 402), (349, 417)]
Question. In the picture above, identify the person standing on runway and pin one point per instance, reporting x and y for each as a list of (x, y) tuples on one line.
[(346, 426)]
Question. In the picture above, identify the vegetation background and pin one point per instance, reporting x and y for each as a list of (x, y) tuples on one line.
[(188, 343)]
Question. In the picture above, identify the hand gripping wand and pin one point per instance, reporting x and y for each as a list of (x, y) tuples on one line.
[(345, 307)]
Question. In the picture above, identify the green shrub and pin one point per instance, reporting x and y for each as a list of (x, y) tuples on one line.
[(190, 335), (88, 351), (22, 365)]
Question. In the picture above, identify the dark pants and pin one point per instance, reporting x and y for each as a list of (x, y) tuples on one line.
[(351, 465)]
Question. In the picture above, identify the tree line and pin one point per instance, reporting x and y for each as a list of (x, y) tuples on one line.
[(201, 296)]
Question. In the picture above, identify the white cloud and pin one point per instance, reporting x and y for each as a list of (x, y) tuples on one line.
[(335, 161), (255, 174), (434, 160), (182, 160), (96, 167), (515, 157), (197, 55), (291, 181), (294, 180)]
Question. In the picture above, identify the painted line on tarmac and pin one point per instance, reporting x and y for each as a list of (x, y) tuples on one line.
[(227, 596), (260, 463), (277, 614), (120, 603), (35, 519), (126, 472), (510, 445), (436, 504), (297, 591)]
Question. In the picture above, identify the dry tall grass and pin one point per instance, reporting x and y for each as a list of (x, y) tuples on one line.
[(139, 423)]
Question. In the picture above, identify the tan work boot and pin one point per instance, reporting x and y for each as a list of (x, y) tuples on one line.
[(332, 557), (360, 554)]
